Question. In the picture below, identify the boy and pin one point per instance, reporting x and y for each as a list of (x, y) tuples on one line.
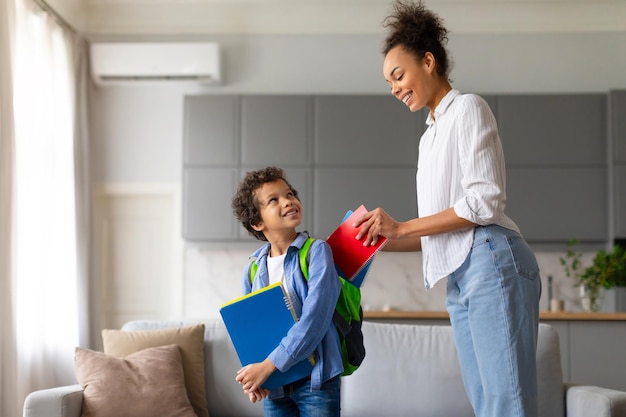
[(269, 208)]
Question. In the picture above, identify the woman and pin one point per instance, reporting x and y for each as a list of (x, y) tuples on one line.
[(493, 283)]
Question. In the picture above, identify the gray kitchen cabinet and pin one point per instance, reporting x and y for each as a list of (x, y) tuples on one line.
[(555, 151), (339, 189), (211, 148), (596, 353), (553, 130), (619, 184), (365, 153), (365, 131), (340, 151), (617, 102), (207, 193), (275, 130), (211, 130), (558, 204), (226, 136)]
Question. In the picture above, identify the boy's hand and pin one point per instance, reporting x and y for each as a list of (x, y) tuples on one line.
[(250, 377), (258, 395)]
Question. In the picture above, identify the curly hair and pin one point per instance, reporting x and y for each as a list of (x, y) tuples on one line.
[(417, 30), (245, 204)]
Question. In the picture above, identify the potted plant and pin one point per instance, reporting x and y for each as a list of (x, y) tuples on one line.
[(607, 270), (590, 284), (610, 269)]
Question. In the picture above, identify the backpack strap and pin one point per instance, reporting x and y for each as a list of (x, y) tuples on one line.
[(253, 267), (342, 324), (303, 256)]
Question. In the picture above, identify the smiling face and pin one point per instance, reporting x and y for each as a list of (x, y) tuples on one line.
[(280, 209), (412, 81)]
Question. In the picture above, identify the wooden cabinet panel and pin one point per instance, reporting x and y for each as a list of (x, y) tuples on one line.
[(553, 129), (558, 204), (211, 130), (365, 130), (275, 130), (340, 189)]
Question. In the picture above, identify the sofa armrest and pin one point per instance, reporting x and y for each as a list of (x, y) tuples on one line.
[(66, 401), (587, 400)]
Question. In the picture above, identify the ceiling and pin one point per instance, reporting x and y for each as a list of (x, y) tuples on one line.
[(203, 17)]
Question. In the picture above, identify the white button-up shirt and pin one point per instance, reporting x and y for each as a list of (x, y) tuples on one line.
[(460, 165)]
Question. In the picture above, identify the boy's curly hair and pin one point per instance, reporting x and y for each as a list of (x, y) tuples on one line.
[(245, 204), (417, 30)]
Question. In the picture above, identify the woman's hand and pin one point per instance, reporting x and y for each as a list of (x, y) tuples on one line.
[(406, 235), (376, 223)]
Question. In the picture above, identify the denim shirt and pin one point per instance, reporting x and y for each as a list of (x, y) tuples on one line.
[(314, 332)]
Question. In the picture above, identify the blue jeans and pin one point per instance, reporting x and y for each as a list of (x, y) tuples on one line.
[(300, 401), (493, 302)]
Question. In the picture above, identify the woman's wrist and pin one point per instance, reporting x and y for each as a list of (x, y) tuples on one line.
[(401, 230)]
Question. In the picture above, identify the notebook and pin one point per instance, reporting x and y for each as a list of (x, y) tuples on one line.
[(352, 259), (255, 339)]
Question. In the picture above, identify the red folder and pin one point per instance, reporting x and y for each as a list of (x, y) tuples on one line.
[(349, 253)]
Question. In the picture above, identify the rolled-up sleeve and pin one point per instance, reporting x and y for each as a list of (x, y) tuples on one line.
[(483, 176)]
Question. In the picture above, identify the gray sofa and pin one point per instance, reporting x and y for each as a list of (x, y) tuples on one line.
[(410, 370)]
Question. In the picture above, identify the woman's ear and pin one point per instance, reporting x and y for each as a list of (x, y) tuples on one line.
[(429, 61)]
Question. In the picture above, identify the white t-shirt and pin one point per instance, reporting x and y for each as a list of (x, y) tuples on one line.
[(460, 165), (276, 268)]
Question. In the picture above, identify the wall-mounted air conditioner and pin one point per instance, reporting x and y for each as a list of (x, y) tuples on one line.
[(123, 63)]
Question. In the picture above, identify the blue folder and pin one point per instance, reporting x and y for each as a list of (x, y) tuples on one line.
[(256, 324)]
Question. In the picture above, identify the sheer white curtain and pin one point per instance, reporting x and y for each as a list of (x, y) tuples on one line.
[(9, 406), (50, 246)]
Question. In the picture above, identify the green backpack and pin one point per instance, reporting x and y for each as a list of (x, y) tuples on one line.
[(348, 315)]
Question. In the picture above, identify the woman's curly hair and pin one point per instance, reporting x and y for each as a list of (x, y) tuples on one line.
[(245, 204), (417, 30)]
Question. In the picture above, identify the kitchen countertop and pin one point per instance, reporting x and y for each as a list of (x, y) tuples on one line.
[(443, 315)]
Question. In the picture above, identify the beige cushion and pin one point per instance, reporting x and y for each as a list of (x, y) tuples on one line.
[(145, 384), (191, 342)]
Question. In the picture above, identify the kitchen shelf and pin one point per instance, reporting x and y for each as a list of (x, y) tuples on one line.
[(443, 315)]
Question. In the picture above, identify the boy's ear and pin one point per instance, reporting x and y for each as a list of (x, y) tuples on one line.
[(258, 227)]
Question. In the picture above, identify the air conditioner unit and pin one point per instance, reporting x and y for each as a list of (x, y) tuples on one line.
[(123, 63)]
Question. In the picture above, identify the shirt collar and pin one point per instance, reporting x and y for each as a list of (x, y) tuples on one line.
[(264, 250), (442, 106)]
